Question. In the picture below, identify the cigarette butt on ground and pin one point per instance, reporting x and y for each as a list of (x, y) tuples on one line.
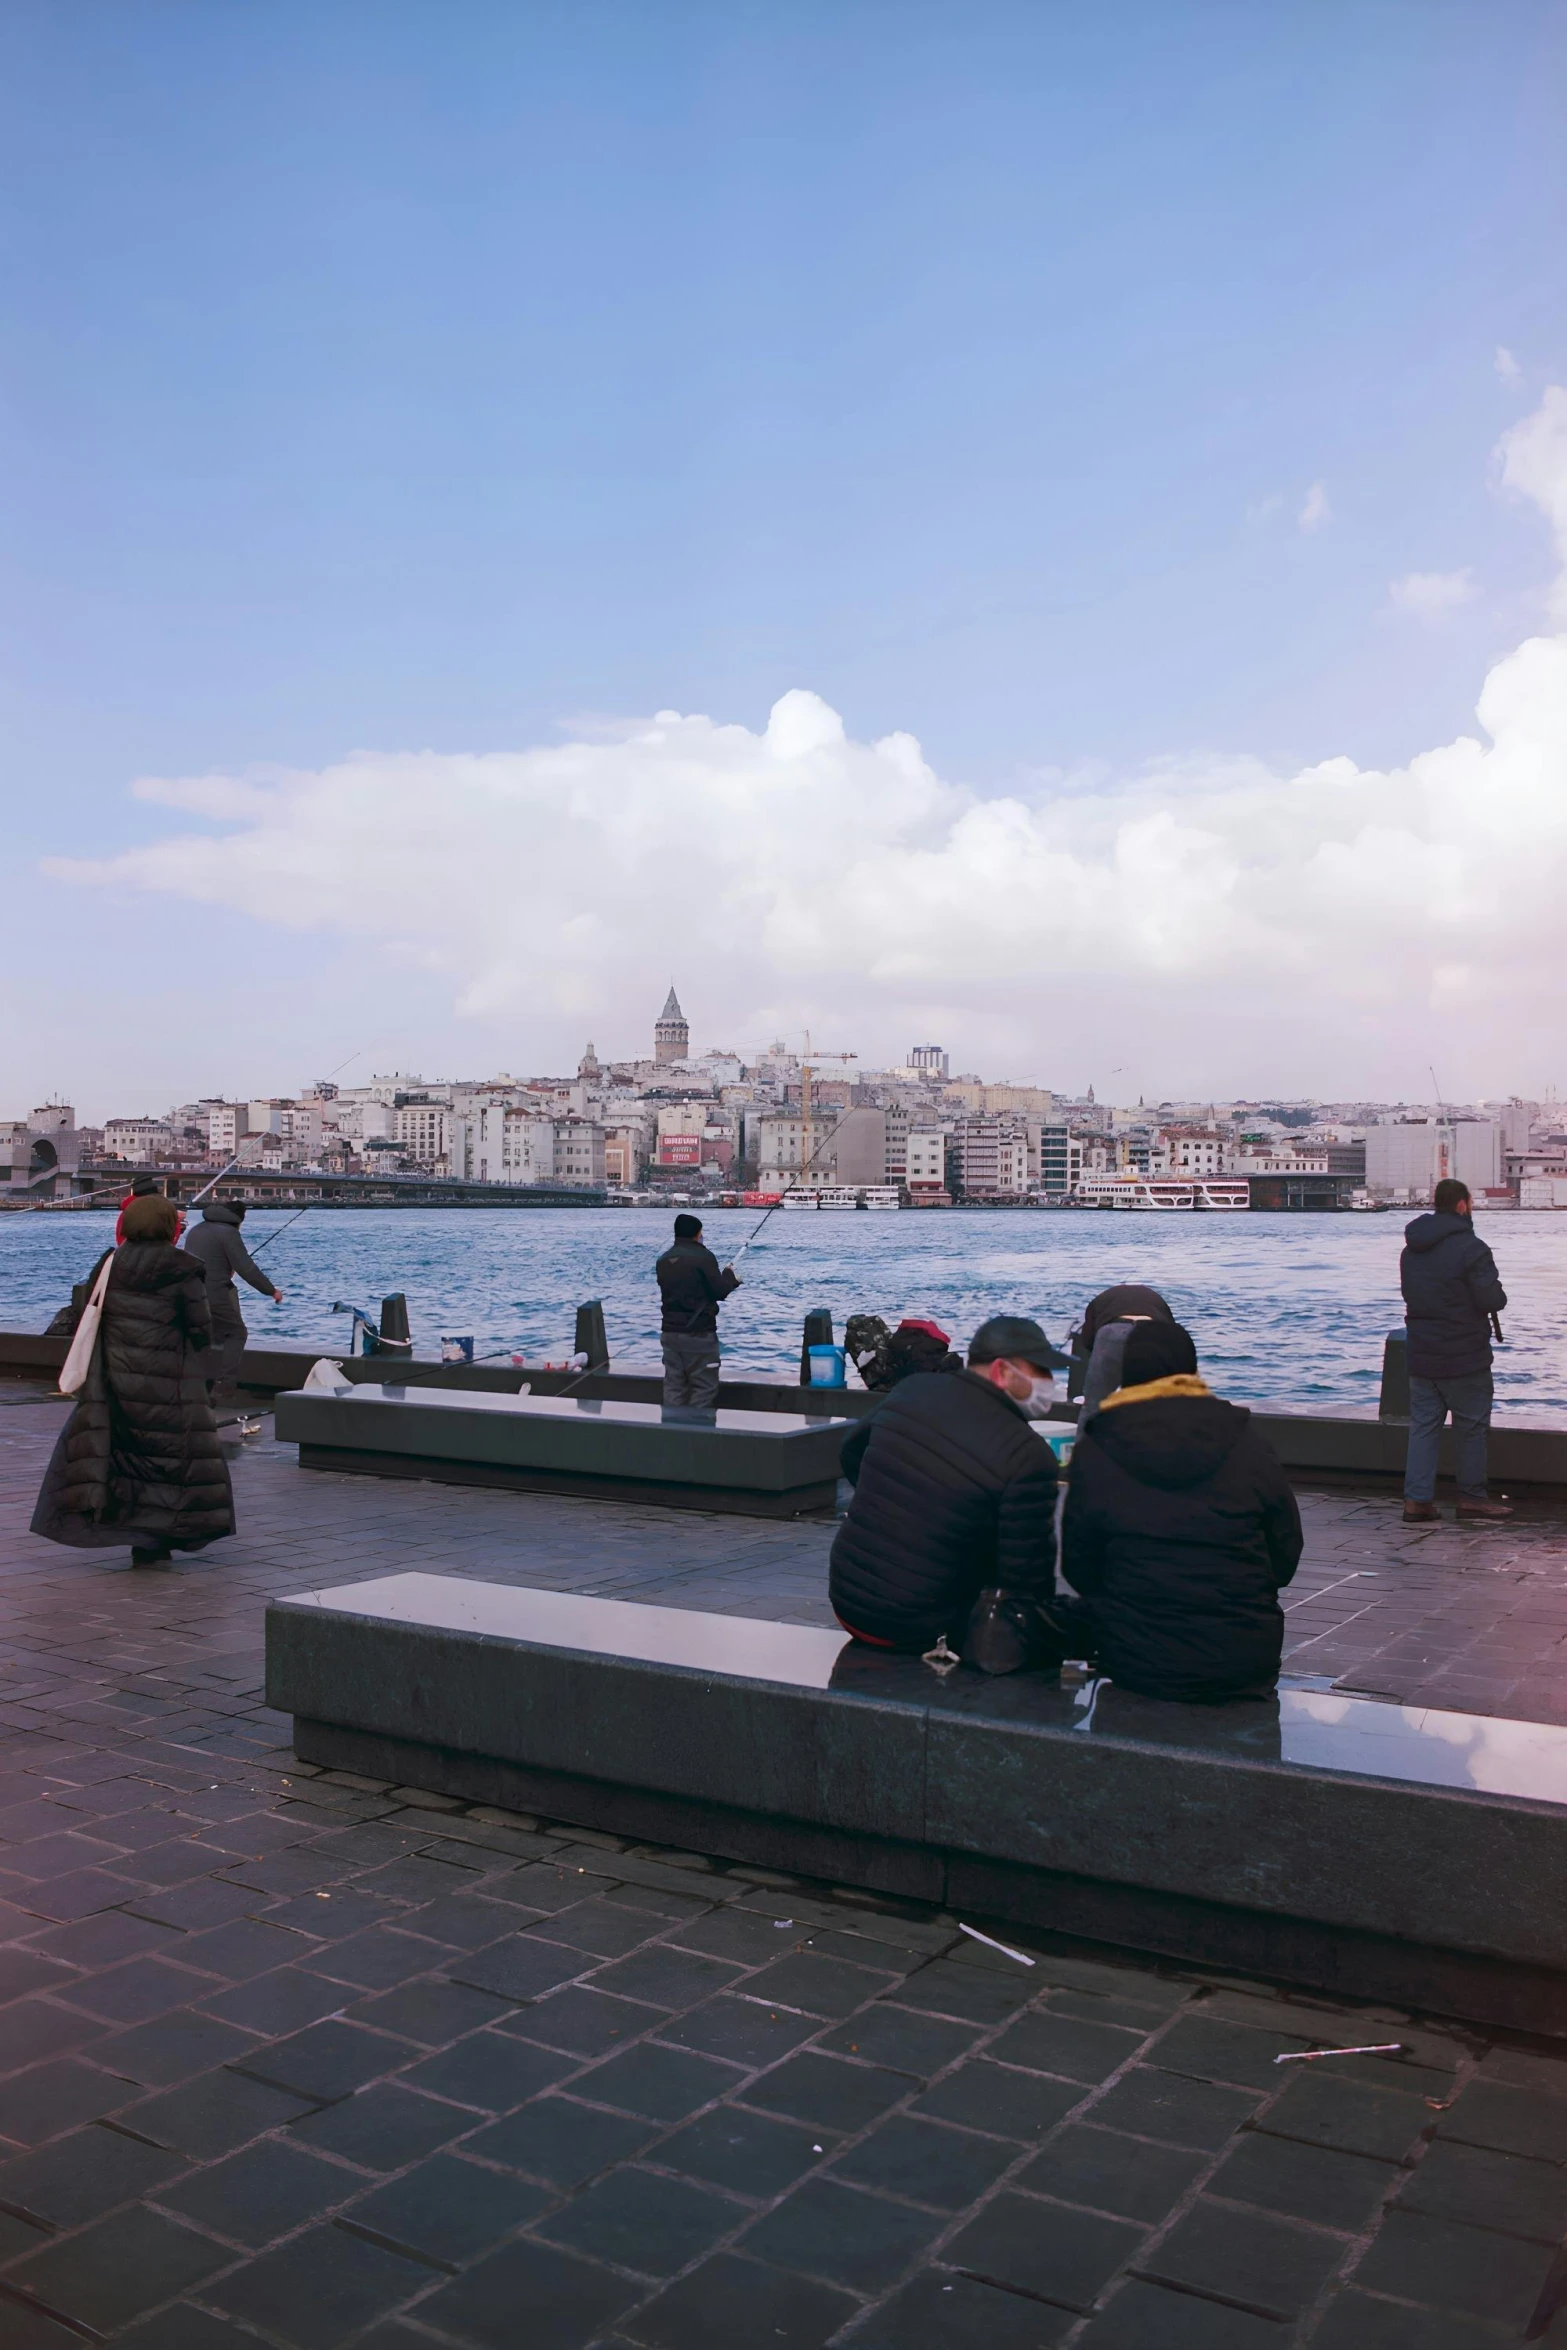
[(1005, 1948), (1310, 2055)]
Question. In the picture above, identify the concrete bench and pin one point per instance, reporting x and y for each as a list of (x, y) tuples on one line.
[(1362, 1848), (760, 1464)]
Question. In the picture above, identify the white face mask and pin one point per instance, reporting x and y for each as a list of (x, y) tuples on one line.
[(1042, 1394)]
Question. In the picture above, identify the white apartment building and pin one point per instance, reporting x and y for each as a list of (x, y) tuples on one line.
[(511, 1145), (423, 1131), (136, 1138), (579, 1153), (927, 1164), (1193, 1150), (1409, 1160)]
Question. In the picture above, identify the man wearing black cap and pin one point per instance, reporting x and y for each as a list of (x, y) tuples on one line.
[(954, 1494), (693, 1289), (1180, 1530)]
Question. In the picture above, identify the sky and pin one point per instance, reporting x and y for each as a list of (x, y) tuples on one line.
[(1028, 527)]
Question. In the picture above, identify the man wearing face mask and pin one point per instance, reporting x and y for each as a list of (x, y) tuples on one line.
[(955, 1494)]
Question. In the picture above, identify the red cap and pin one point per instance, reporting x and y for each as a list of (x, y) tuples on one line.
[(931, 1330)]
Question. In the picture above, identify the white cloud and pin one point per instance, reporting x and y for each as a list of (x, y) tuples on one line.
[(1212, 922), (1431, 595), (1506, 365), (1316, 511)]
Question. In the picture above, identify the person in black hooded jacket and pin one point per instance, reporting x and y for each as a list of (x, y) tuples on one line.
[(1451, 1290), (1180, 1530), (216, 1244), (138, 1461)]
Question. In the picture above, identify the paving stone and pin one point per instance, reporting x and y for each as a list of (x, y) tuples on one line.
[(981, 2096), (1064, 2256), (171, 2048), (50, 2098), (83, 2175), (108, 2273), (1510, 2192), (377, 1959), (599, 1928), (1357, 2321), (665, 1977), (1454, 2268), (946, 1987), (185, 2328), (383, 2127), (828, 2089), (1511, 2121), (717, 2305), (1109, 2172), (141, 1988), (490, 2070), (1343, 2113), (18, 2235), (31, 2029), (430, 2011), (584, 2021), (1320, 2183), (900, 2037), (739, 2029), (263, 2192), (332, 1916), (640, 2220), (283, 2001), (925, 2162), (518, 1968), (1151, 2317), (569, 2302), (665, 2084), (320, 2289), (1275, 2265), (749, 1937), (202, 1901), (1211, 2049), (818, 1985), (214, 2113), (246, 1947), (329, 2059), (1521, 2068), (22, 1971), (752, 2154), (943, 2310), (1045, 2042), (826, 2229), (560, 2141), (447, 2210)]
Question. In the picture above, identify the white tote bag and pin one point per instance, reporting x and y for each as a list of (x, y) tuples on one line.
[(78, 1362)]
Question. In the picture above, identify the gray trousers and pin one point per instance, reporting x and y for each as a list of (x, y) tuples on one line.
[(691, 1370), (220, 1364), (1430, 1401)]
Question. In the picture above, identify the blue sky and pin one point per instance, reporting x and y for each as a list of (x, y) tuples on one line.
[(407, 378)]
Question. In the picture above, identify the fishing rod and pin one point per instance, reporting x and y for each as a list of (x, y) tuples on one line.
[(1441, 1111)]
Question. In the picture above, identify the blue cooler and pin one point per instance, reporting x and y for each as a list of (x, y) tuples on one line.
[(827, 1366)]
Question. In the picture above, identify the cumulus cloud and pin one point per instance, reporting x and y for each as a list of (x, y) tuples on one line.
[(1316, 512), (1431, 595), (1506, 365), (1206, 921)]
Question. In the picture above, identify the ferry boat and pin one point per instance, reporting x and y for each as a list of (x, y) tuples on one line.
[(843, 1195), (1165, 1194)]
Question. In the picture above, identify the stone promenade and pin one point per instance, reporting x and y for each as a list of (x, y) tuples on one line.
[(291, 2058)]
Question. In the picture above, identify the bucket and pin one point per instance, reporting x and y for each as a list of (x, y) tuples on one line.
[(1060, 1442), (457, 1350), (826, 1366)]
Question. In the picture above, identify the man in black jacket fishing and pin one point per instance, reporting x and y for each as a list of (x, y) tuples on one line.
[(693, 1289), (1180, 1530), (217, 1246), (955, 1493), (1451, 1294)]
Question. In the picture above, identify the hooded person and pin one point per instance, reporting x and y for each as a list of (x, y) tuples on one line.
[(1451, 1292), (692, 1288), (1108, 1321), (138, 1462), (954, 1494), (216, 1245), (1180, 1530)]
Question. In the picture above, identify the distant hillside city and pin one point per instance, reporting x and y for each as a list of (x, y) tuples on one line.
[(815, 1127)]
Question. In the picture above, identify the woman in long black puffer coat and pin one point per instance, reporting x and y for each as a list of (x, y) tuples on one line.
[(138, 1461)]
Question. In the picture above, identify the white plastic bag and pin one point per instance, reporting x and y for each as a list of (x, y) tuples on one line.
[(78, 1361), (326, 1377)]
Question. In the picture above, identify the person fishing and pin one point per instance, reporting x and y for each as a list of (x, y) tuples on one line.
[(692, 1288), (216, 1245)]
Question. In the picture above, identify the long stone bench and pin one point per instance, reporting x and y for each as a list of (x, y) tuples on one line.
[(1362, 1848), (760, 1464)]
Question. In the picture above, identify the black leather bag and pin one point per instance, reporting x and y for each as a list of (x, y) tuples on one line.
[(1009, 1633)]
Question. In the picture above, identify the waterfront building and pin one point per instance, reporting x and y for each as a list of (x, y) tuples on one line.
[(1407, 1159), (991, 1158), (926, 1162), (137, 1140)]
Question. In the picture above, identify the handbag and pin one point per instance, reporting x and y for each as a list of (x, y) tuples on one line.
[(78, 1361), (1008, 1632)]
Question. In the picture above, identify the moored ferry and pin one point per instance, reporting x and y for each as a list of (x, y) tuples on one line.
[(1163, 1193), (843, 1195)]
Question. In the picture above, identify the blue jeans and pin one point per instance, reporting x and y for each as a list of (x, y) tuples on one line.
[(1430, 1401)]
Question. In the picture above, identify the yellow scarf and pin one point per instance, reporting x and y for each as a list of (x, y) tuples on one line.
[(1178, 1383)]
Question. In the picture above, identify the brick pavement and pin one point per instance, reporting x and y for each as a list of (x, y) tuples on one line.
[(289, 2057)]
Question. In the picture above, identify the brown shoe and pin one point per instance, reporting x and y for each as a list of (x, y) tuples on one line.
[(1484, 1509), (1421, 1513)]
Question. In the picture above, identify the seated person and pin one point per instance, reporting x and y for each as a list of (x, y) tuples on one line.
[(883, 1357), (954, 1493), (1108, 1321), (1180, 1530)]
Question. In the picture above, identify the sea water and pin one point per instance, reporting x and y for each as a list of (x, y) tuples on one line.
[(1287, 1310)]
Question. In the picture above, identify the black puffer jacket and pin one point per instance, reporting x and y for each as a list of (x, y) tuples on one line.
[(1451, 1289), (1180, 1530), (692, 1288), (954, 1491), (215, 1244), (138, 1461)]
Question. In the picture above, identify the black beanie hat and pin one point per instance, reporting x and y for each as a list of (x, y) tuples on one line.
[(1156, 1350), (687, 1227)]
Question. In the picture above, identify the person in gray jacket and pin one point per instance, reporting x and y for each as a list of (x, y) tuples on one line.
[(216, 1243)]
